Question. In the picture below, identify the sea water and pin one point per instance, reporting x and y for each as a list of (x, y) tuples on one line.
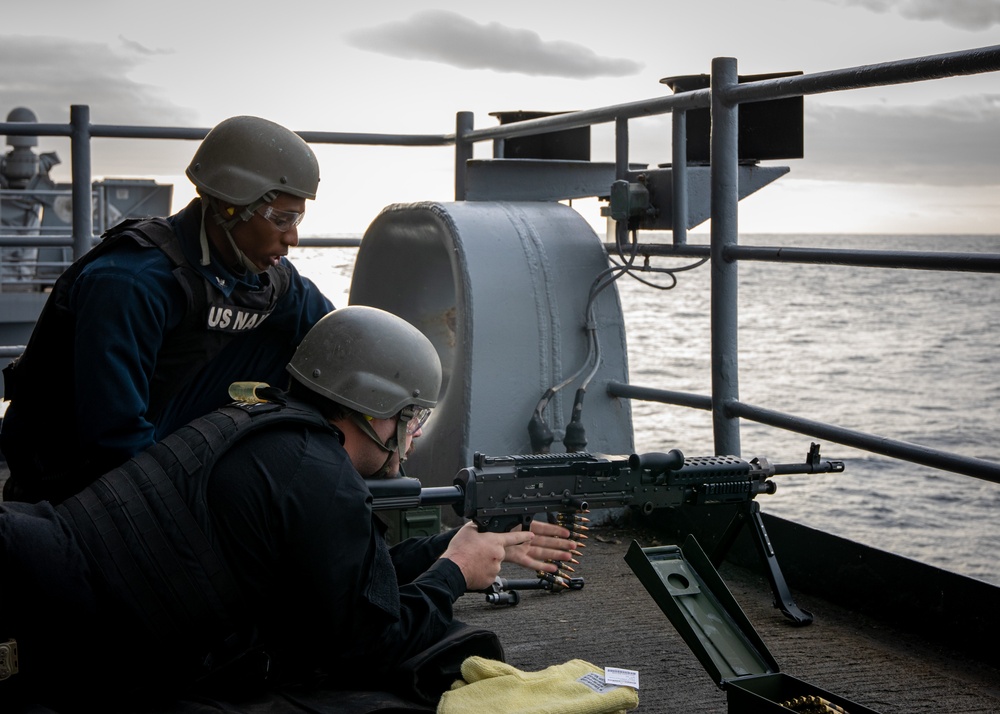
[(908, 355)]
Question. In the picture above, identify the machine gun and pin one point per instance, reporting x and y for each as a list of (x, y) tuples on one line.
[(500, 493)]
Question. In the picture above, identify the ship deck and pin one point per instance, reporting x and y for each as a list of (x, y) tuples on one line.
[(613, 621)]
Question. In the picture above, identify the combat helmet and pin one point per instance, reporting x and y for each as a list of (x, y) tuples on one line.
[(374, 363), (369, 360), (245, 159)]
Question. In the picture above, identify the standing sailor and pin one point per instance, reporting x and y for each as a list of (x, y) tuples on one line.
[(148, 329)]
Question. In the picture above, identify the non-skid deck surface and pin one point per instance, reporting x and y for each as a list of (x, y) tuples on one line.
[(614, 622)]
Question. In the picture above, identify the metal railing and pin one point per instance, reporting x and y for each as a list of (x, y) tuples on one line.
[(723, 99)]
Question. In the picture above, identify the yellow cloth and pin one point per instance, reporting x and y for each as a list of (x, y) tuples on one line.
[(490, 685)]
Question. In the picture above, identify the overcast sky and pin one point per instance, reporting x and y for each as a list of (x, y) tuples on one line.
[(915, 158)]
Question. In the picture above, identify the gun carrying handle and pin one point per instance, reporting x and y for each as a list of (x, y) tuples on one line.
[(657, 462)]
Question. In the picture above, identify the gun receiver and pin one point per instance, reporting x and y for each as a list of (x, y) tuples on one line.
[(500, 493)]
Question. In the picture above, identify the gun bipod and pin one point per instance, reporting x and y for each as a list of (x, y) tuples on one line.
[(749, 511)]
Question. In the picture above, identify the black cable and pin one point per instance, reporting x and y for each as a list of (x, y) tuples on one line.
[(575, 438)]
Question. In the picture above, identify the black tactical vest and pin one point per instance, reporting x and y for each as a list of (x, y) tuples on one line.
[(48, 463), (153, 552)]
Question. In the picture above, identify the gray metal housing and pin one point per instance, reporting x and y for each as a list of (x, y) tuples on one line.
[(501, 290)]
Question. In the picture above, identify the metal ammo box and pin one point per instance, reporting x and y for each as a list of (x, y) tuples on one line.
[(694, 597)]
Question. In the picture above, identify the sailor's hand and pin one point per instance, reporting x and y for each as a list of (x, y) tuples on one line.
[(479, 555), (551, 542)]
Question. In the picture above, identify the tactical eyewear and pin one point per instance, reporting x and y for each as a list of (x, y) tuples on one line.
[(284, 221), (415, 418)]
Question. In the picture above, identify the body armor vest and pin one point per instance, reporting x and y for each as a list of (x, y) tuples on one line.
[(42, 377), (154, 553)]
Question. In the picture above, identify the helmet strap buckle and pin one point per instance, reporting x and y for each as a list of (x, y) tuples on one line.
[(394, 444)]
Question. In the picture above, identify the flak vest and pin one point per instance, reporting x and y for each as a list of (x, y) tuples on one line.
[(48, 464), (153, 553)]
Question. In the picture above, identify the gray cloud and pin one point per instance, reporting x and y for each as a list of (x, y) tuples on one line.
[(952, 144), (449, 38), (141, 49), (48, 75), (963, 14)]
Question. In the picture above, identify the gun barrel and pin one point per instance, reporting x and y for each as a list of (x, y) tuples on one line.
[(820, 467)]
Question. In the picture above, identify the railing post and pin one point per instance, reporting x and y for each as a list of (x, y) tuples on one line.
[(725, 275), (621, 148), (621, 173), (464, 123), (83, 211), (678, 165)]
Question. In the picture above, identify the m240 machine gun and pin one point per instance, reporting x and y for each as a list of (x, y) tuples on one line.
[(500, 493)]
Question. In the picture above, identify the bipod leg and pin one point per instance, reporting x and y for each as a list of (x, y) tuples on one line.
[(503, 591), (721, 549), (782, 595)]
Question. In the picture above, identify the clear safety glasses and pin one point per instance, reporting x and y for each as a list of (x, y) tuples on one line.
[(415, 417), (284, 221)]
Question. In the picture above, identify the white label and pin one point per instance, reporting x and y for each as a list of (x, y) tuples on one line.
[(622, 677), (596, 682)]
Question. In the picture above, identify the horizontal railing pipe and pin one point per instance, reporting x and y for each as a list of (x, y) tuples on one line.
[(668, 250), (351, 138), (24, 128), (906, 71), (66, 240), (663, 396), (328, 242), (61, 241), (903, 450), (697, 99), (123, 131), (920, 260)]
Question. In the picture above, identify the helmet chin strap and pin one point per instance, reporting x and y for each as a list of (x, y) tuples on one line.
[(227, 225), (393, 445)]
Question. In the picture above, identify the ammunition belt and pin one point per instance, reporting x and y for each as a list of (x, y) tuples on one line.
[(811, 704)]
